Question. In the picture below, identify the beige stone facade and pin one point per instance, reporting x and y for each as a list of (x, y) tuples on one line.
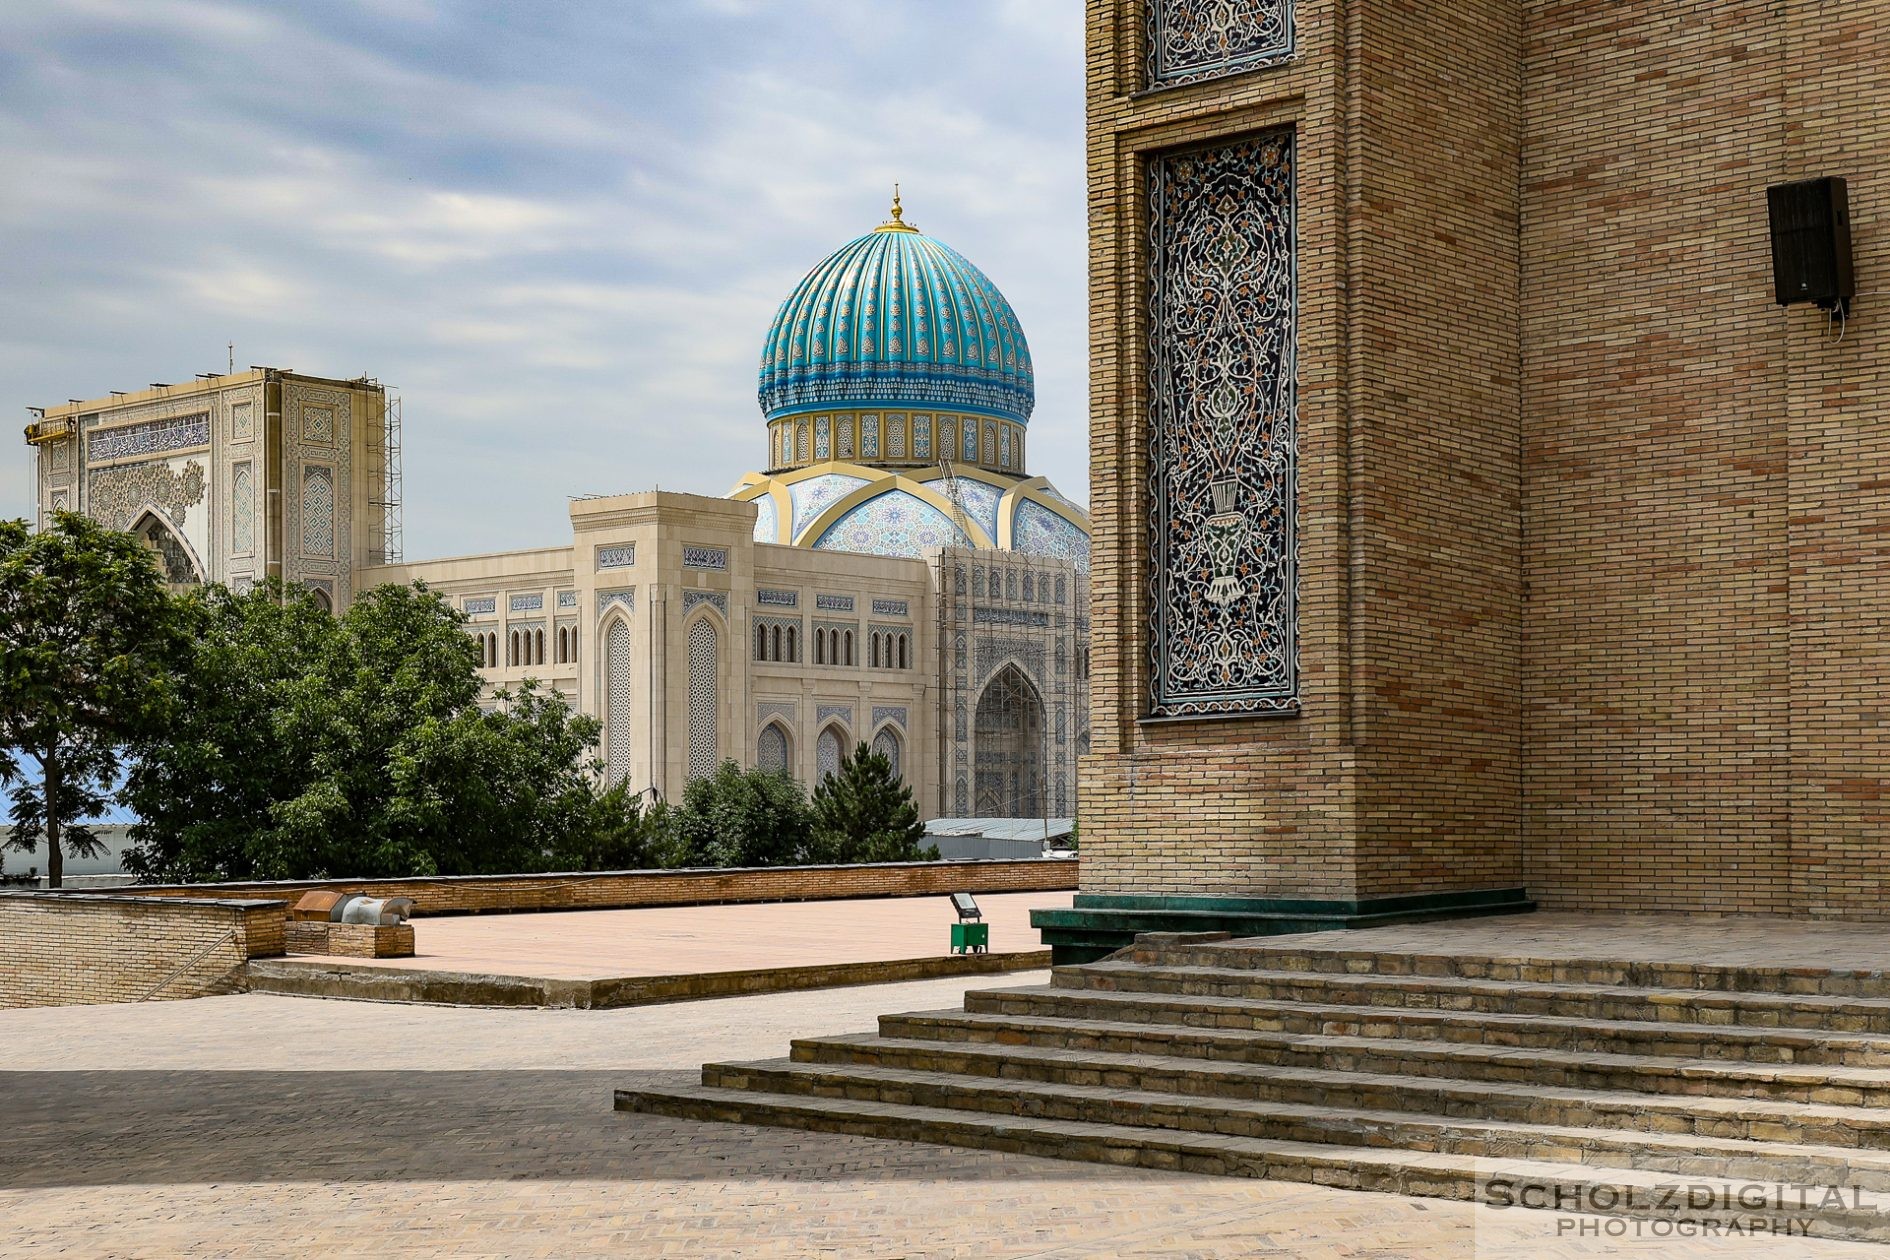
[(231, 478), (1587, 564), (693, 644)]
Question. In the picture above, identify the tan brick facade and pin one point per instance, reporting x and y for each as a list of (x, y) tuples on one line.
[(1589, 565), (64, 948)]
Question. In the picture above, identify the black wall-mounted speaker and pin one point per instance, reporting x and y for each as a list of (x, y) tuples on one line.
[(1811, 242)]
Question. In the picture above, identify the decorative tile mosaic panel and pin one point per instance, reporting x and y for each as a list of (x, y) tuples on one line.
[(777, 598), (116, 495), (1037, 531), (827, 754), (979, 499), (892, 608), (59, 455), (567, 599), (892, 525), (318, 424), (714, 599), (821, 425), (621, 557), (776, 708), (869, 437), (922, 437), (626, 599), (971, 442), (318, 511), (243, 421), (800, 442), (886, 744), (1223, 623), (705, 557), (895, 437), (889, 713), (704, 699), (152, 438), (617, 701), (834, 603), (242, 510), (843, 438), (827, 712), (527, 603), (771, 749), (985, 615), (1193, 40), (480, 604), (1004, 447), (814, 495)]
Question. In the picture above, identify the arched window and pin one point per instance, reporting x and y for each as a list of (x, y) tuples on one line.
[(828, 753), (574, 644), (886, 744), (902, 653), (1007, 748), (561, 646), (775, 636), (704, 691), (511, 651), (771, 750), (820, 646), (849, 647), (872, 649), (761, 643), (538, 641), (793, 648)]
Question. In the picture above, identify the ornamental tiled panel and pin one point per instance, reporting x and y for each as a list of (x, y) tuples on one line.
[(154, 437), (318, 511), (1189, 41), (705, 557), (1221, 433), (703, 697), (617, 701), (621, 557)]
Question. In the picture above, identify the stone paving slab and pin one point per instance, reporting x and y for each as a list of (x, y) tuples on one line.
[(255, 1125)]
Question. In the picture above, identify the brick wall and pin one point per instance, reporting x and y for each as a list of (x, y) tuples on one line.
[(66, 948), (1401, 773), (1707, 672), (615, 890)]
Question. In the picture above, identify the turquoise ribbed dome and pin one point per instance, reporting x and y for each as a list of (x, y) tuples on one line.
[(896, 319)]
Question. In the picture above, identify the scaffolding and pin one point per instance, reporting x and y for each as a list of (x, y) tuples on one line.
[(388, 485)]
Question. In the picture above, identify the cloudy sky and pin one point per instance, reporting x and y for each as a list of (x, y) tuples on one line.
[(558, 229)]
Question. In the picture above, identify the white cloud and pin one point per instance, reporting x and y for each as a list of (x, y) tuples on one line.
[(560, 230)]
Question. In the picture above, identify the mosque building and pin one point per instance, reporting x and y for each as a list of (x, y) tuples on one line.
[(895, 576)]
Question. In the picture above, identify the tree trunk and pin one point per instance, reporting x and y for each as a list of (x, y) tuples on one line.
[(55, 860)]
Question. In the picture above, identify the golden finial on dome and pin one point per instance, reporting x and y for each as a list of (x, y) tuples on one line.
[(898, 221)]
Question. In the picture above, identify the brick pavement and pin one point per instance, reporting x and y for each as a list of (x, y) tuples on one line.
[(254, 1126)]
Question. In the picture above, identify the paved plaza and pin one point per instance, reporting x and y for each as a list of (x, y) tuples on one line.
[(674, 940), (256, 1125)]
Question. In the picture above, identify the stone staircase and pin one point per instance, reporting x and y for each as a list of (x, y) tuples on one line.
[(1616, 1087)]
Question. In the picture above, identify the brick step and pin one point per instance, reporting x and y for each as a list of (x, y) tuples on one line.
[(1851, 1128), (1543, 1032), (1318, 1125), (1763, 1010), (1603, 1191), (1637, 1074), (1264, 955)]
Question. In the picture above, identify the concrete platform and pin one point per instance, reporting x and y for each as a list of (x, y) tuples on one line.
[(609, 958)]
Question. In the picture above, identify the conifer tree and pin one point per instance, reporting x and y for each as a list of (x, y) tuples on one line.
[(863, 812)]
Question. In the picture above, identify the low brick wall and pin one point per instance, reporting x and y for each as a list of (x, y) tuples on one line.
[(61, 948), (619, 890)]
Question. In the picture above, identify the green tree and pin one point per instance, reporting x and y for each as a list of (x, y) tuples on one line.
[(863, 812), (313, 746), (737, 817), (88, 635)]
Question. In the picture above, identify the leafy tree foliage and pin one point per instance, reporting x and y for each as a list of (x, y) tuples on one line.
[(863, 812), (87, 636), (738, 817), (309, 746)]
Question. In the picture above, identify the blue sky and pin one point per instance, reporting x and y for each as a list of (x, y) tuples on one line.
[(559, 229)]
